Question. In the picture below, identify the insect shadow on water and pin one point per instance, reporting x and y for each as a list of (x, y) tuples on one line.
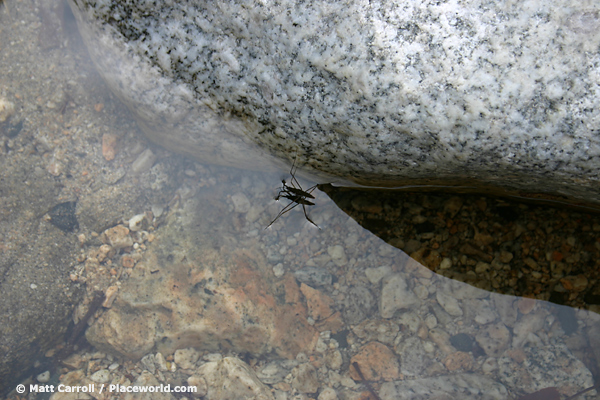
[(296, 195)]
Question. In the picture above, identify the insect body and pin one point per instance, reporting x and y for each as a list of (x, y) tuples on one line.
[(296, 195)]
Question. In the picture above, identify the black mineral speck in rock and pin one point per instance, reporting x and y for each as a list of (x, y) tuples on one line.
[(63, 216)]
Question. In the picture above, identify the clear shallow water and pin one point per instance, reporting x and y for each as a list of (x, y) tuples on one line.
[(204, 272)]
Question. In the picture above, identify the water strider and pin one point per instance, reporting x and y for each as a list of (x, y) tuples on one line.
[(296, 195)]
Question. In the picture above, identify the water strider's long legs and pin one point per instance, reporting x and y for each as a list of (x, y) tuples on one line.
[(296, 195)]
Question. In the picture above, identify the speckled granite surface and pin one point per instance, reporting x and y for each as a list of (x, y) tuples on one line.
[(477, 92)]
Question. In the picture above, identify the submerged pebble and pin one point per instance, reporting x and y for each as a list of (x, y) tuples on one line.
[(462, 342), (136, 222), (101, 376), (43, 377), (313, 276), (63, 216), (144, 162)]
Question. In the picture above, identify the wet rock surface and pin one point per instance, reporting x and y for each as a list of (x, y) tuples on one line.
[(57, 191), (36, 296), (182, 279), (427, 348), (177, 241), (184, 294), (37, 249)]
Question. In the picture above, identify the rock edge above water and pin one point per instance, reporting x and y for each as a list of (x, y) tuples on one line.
[(378, 94)]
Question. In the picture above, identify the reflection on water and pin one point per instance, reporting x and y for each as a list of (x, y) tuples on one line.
[(199, 293)]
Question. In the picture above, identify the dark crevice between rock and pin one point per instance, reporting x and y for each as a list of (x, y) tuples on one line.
[(494, 243)]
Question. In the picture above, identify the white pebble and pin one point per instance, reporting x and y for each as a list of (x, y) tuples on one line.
[(396, 296), (431, 321), (428, 346), (337, 254), (186, 358), (446, 263), (157, 211), (278, 270), (101, 376), (489, 366), (160, 362), (144, 162), (374, 275), (135, 223), (43, 377), (321, 346)]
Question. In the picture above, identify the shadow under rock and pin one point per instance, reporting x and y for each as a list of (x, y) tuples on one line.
[(496, 244)]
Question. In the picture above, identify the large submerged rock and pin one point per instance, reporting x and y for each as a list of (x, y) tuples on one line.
[(475, 93)]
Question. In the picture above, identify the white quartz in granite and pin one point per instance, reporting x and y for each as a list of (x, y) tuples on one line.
[(502, 93)]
